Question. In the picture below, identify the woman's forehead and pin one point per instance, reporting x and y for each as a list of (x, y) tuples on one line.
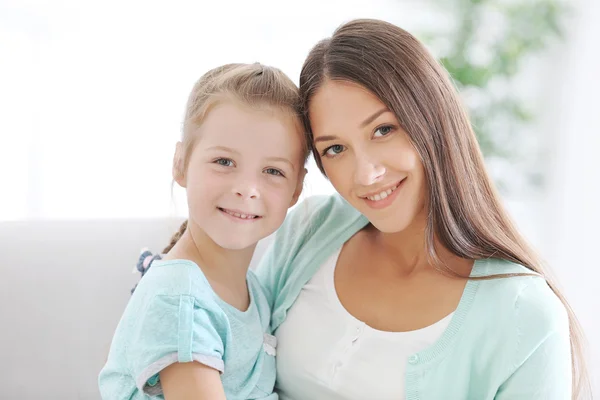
[(341, 103)]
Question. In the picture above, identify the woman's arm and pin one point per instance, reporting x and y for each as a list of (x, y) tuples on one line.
[(191, 381)]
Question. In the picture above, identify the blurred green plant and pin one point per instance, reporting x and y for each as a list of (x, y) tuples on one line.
[(484, 50)]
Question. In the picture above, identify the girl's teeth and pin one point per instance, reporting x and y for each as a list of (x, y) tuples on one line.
[(238, 215)]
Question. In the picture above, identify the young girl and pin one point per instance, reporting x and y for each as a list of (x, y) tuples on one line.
[(197, 326)]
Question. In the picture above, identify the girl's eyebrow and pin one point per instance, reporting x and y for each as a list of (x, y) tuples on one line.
[(230, 150), (223, 148), (282, 159)]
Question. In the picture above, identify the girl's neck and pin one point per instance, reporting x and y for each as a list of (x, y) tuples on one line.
[(222, 267)]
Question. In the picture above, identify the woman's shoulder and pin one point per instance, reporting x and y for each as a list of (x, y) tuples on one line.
[(523, 301), (322, 212), (321, 205), (314, 229), (517, 320), (316, 225)]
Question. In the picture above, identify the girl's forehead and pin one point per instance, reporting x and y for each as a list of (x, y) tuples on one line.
[(251, 132)]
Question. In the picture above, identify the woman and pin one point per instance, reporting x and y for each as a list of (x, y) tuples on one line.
[(411, 282)]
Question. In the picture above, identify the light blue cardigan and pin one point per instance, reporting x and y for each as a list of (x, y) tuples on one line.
[(508, 338)]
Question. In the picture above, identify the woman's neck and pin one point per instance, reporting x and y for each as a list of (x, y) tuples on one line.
[(407, 252)]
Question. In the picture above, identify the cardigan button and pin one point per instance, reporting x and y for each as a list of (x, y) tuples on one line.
[(414, 359)]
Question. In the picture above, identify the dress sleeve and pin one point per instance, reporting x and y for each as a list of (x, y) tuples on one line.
[(175, 328)]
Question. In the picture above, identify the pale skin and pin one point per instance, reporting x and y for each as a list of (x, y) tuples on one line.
[(247, 160), (382, 275)]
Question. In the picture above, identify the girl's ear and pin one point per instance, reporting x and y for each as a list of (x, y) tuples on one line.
[(299, 187), (178, 166)]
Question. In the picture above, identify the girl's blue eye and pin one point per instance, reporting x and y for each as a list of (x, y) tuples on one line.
[(333, 151), (274, 171), (383, 131), (226, 162)]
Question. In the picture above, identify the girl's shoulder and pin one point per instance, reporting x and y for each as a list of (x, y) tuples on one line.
[(177, 278)]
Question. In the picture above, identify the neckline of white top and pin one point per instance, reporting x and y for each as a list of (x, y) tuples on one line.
[(363, 327)]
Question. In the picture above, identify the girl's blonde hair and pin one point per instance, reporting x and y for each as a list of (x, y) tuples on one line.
[(255, 85)]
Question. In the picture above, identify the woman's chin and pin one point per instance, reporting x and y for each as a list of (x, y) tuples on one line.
[(392, 224)]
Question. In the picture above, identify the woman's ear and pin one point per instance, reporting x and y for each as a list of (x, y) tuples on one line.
[(178, 166), (299, 187)]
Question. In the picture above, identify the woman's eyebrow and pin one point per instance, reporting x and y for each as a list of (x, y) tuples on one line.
[(366, 122), (325, 138), (373, 117)]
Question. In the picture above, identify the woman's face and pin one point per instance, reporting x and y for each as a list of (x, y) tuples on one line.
[(367, 156)]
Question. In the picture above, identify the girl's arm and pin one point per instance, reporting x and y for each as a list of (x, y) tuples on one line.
[(191, 381)]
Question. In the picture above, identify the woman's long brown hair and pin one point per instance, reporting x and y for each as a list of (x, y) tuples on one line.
[(465, 213)]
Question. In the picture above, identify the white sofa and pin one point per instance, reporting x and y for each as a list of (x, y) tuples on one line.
[(63, 288)]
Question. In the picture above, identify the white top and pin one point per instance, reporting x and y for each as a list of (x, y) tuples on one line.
[(323, 352)]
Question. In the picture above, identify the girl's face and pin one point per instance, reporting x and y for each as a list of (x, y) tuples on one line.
[(367, 156), (243, 174)]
